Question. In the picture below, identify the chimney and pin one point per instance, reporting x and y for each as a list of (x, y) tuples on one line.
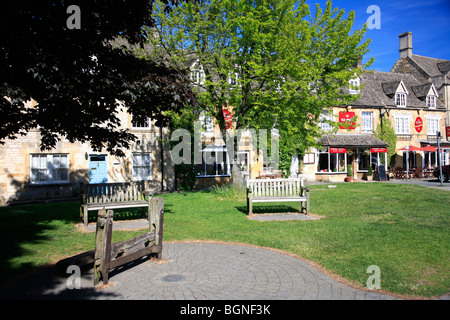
[(405, 40), (358, 63)]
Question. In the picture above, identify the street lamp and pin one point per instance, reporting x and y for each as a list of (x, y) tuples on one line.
[(438, 134), (407, 162)]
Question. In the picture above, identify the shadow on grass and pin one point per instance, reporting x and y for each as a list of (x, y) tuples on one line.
[(25, 225), (268, 209)]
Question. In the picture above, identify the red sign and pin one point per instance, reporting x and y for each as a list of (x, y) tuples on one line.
[(228, 118), (338, 150), (344, 117), (378, 150), (418, 124), (448, 131)]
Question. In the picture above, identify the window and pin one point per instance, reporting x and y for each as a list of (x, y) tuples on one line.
[(431, 101), (214, 162), (234, 79), (140, 123), (244, 161), (402, 124), (367, 158), (197, 73), (400, 99), (142, 166), (324, 121), (367, 125), (207, 122), (49, 168), (432, 125), (354, 86), (331, 161)]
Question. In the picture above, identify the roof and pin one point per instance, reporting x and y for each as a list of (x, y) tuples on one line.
[(432, 66), (351, 140), (379, 90)]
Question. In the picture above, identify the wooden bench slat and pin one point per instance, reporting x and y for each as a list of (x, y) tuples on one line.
[(111, 196)]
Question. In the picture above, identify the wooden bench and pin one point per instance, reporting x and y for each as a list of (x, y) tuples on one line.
[(98, 196), (277, 190)]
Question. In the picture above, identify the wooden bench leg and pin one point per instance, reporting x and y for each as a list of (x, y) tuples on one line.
[(249, 202)]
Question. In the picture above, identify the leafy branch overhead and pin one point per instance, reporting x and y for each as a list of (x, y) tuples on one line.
[(82, 78)]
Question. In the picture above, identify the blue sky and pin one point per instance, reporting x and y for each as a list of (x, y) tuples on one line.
[(428, 20)]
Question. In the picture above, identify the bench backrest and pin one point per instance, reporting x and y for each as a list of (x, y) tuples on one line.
[(112, 192), (275, 187)]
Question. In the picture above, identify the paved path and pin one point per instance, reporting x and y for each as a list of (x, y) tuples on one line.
[(201, 271)]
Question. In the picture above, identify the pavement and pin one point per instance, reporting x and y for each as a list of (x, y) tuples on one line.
[(199, 271)]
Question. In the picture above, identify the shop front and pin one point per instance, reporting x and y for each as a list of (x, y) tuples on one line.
[(343, 155)]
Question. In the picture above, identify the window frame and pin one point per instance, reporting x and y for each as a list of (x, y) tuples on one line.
[(148, 127), (50, 168), (400, 99), (433, 122), (431, 101), (355, 83), (363, 122), (324, 117), (216, 150), (406, 118), (336, 162), (140, 178)]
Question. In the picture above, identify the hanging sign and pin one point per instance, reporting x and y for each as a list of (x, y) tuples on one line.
[(418, 124), (344, 117), (338, 150), (228, 118), (378, 150), (447, 129)]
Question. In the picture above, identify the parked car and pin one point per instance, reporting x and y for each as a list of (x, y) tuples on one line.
[(445, 172)]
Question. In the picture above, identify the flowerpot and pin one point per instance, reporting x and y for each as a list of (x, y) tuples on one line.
[(369, 178), (348, 179)]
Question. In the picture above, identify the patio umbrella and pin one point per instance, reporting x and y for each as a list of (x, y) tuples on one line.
[(429, 148), (411, 148)]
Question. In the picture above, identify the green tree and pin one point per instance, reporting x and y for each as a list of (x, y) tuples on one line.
[(277, 64), (386, 132)]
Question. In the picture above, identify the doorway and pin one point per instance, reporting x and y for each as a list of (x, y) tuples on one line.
[(98, 169)]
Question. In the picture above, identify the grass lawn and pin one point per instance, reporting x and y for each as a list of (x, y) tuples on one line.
[(402, 229)]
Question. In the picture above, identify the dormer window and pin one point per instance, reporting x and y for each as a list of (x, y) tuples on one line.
[(197, 73), (400, 99), (400, 95), (431, 101), (354, 86), (431, 97)]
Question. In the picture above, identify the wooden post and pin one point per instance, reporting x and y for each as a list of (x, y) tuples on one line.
[(102, 254), (156, 220)]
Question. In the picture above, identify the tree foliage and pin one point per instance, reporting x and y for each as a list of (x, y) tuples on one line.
[(386, 132), (275, 62), (79, 76)]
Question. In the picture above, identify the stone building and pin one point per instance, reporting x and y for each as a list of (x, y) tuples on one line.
[(29, 174), (413, 97)]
